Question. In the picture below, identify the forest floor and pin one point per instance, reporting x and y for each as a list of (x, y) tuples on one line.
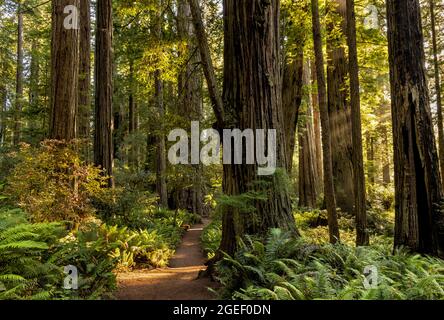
[(177, 282)]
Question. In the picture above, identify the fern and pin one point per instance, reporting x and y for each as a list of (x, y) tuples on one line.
[(286, 269)]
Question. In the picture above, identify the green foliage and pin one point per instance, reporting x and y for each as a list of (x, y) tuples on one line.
[(33, 255), (290, 269), (51, 183), (148, 248), (129, 207), (211, 237), (143, 235)]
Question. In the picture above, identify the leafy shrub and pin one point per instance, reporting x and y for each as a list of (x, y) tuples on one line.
[(131, 208), (51, 183), (291, 269)]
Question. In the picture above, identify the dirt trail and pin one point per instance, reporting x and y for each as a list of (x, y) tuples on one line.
[(178, 282)]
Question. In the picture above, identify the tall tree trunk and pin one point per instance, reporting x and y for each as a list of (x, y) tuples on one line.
[(19, 76), (83, 117), (329, 191), (291, 102), (339, 110), (160, 141), (34, 75), (132, 115), (64, 74), (317, 129), (161, 148), (190, 91), (362, 237), (33, 80), (252, 96), (419, 222), (308, 174), (103, 126), (437, 88), (207, 63)]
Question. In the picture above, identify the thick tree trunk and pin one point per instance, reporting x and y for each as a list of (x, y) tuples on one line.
[(103, 129), (64, 74), (339, 111), (83, 117), (437, 88), (19, 77), (308, 174), (291, 102), (329, 191), (252, 96), (360, 212), (419, 222)]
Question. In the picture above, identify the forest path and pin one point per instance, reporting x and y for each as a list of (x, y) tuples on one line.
[(177, 282)]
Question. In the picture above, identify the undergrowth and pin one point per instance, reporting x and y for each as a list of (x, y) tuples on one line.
[(283, 268)]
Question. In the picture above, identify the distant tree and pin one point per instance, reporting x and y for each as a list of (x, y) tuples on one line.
[(19, 75), (84, 112), (355, 103), (338, 106), (160, 138), (329, 191), (308, 174)]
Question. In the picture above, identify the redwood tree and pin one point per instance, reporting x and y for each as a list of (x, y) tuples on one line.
[(83, 114), (419, 223), (437, 78), (308, 174), (291, 102), (252, 99), (19, 75), (190, 100), (103, 141), (160, 137), (329, 191), (355, 102), (339, 108), (64, 73)]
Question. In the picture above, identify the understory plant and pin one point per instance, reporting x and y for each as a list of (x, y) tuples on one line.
[(33, 257), (52, 183), (284, 268)]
